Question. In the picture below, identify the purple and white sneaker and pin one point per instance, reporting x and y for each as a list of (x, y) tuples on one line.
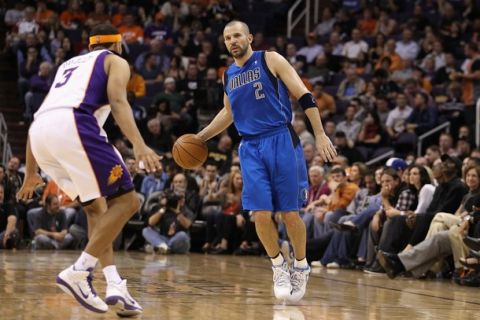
[(78, 284), (118, 296)]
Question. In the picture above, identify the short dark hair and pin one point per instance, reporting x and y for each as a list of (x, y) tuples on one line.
[(392, 173), (103, 29), (339, 170), (50, 198)]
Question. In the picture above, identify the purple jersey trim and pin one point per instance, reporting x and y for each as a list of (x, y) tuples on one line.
[(96, 94)]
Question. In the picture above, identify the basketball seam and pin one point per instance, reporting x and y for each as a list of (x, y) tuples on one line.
[(186, 151)]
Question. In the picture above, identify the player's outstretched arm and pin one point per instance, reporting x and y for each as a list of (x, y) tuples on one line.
[(280, 67), (222, 121), (118, 73), (32, 179)]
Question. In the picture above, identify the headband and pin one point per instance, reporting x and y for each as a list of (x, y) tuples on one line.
[(105, 39)]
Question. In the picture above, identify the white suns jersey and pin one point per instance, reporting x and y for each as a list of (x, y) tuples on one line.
[(80, 84)]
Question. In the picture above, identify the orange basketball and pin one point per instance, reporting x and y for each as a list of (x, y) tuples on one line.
[(189, 152)]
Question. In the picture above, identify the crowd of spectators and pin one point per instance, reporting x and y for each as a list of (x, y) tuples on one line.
[(383, 73)]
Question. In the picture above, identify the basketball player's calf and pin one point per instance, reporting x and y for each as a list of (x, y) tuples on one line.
[(117, 293), (77, 279), (300, 270), (268, 235)]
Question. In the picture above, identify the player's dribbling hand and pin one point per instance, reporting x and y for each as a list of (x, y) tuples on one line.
[(30, 183), (147, 158), (325, 148)]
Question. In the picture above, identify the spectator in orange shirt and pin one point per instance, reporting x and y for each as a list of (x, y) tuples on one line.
[(136, 84), (117, 18), (43, 14), (325, 102), (131, 32), (73, 17), (98, 16), (389, 53), (368, 23)]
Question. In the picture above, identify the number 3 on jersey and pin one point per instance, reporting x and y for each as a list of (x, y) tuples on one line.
[(258, 90), (66, 74)]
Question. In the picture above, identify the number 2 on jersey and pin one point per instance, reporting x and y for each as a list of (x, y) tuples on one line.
[(258, 91), (66, 74)]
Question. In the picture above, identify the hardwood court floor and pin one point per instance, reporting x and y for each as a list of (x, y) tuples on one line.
[(226, 287)]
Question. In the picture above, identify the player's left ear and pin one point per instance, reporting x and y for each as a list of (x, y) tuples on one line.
[(250, 38)]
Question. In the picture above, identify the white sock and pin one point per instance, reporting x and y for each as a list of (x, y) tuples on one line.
[(278, 260), (111, 274), (300, 264), (85, 261)]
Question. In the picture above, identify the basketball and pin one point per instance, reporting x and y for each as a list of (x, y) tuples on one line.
[(189, 152)]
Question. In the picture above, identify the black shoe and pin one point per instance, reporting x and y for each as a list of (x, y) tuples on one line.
[(219, 251), (472, 243), (374, 268), (472, 279), (391, 263)]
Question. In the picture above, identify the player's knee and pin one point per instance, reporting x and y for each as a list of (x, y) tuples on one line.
[(290, 217), (263, 217)]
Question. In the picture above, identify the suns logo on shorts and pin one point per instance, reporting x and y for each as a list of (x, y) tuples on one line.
[(115, 174)]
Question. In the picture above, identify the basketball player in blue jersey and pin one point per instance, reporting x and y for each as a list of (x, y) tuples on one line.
[(67, 142), (273, 167)]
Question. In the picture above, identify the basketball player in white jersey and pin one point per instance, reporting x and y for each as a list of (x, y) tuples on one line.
[(68, 143)]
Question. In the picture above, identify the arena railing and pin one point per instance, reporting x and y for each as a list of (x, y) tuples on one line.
[(444, 126), (6, 150), (380, 157), (305, 13)]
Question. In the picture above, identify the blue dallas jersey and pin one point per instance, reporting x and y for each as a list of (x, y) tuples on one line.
[(258, 99)]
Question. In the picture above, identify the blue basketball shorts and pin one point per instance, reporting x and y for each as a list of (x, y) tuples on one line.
[(274, 172)]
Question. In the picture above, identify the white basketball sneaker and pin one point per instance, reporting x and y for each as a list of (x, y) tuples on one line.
[(118, 296), (281, 281), (298, 279), (78, 284)]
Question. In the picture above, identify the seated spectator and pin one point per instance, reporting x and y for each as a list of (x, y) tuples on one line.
[(136, 83), (39, 86), (136, 174), (210, 191), (371, 137), (158, 137), (69, 206), (153, 182), (50, 226), (157, 51), (223, 227), (325, 102), (312, 49), (130, 31), (397, 117), (73, 17), (319, 71), (344, 149), (28, 23), (300, 129), (404, 73), (407, 48), (355, 46), (168, 225), (318, 187), (170, 93), (423, 116), (385, 25), (325, 26), (117, 18), (220, 153), (97, 16), (349, 126), (395, 61), (445, 73), (332, 207), (352, 86), (150, 70), (9, 235), (14, 15)]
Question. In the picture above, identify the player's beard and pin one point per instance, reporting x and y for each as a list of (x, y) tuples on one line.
[(241, 51)]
